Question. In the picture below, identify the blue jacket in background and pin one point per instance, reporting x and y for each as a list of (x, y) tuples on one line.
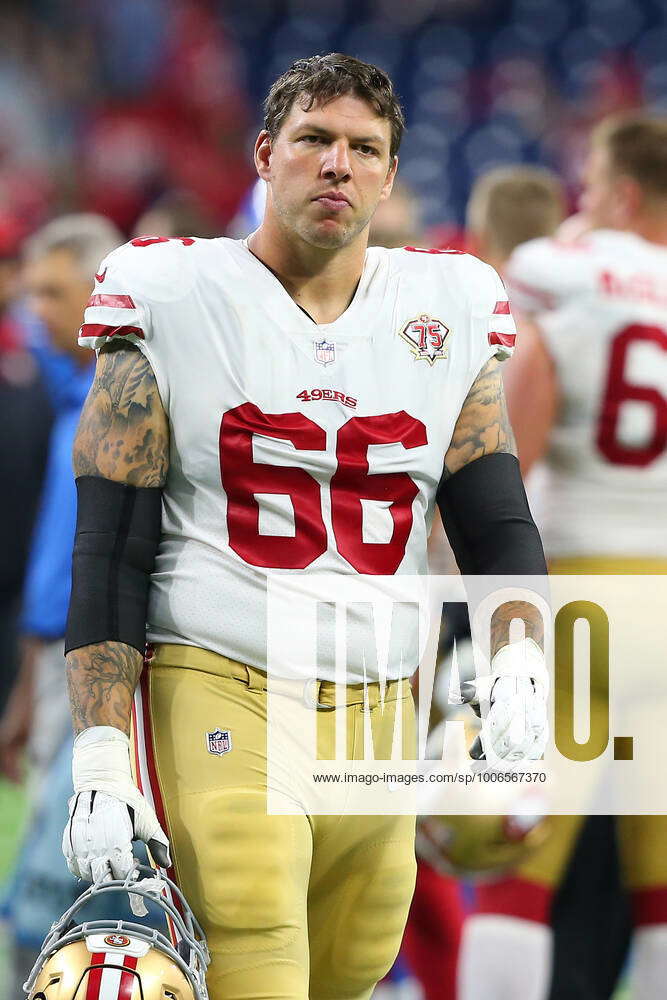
[(48, 577)]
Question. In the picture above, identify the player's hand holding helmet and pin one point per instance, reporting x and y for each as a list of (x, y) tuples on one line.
[(107, 811), (513, 704), (122, 959), (510, 822)]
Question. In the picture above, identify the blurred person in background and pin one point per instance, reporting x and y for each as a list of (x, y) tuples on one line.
[(510, 205), (177, 213), (398, 220), (25, 417), (58, 275), (595, 337)]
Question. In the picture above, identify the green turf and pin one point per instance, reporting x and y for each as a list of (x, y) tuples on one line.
[(12, 820)]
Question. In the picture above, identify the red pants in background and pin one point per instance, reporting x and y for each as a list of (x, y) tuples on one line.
[(433, 933)]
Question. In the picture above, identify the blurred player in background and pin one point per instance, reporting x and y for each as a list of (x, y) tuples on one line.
[(398, 220), (598, 339), (509, 206), (25, 417), (177, 213), (60, 265), (59, 271)]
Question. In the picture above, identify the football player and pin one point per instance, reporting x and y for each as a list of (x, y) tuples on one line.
[(288, 402), (510, 205), (599, 339)]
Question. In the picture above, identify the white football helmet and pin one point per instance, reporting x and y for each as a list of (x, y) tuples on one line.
[(120, 959)]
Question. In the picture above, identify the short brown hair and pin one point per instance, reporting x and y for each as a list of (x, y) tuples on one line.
[(321, 79), (637, 146), (512, 205)]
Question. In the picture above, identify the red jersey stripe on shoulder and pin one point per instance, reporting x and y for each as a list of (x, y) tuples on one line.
[(502, 308), (111, 301), (503, 339), (102, 330), (430, 250)]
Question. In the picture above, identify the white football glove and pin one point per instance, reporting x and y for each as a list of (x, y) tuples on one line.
[(107, 811), (515, 726)]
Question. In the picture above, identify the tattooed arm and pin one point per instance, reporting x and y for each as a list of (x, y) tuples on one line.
[(483, 428), (502, 619), (123, 433), (483, 425), (123, 436)]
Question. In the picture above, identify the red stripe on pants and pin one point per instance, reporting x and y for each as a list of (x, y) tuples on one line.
[(152, 766), (137, 761), (433, 933), (155, 786)]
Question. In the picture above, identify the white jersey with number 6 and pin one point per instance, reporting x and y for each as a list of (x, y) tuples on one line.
[(294, 447), (601, 305)]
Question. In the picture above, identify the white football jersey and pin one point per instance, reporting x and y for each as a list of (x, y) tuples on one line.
[(294, 446), (601, 305)]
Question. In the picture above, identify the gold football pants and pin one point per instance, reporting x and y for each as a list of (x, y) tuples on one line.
[(293, 906)]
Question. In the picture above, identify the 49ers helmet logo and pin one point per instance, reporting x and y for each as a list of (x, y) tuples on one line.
[(117, 940), (426, 337)]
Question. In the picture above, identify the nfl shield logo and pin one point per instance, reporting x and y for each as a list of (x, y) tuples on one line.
[(325, 352), (219, 742)]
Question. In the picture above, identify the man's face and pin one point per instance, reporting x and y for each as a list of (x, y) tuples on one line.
[(58, 294), (327, 170), (600, 199)]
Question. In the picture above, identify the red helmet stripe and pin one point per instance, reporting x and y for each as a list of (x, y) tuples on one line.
[(95, 976), (127, 980), (111, 981)]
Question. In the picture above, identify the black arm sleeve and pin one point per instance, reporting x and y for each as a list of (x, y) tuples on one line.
[(487, 519), (117, 534)]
